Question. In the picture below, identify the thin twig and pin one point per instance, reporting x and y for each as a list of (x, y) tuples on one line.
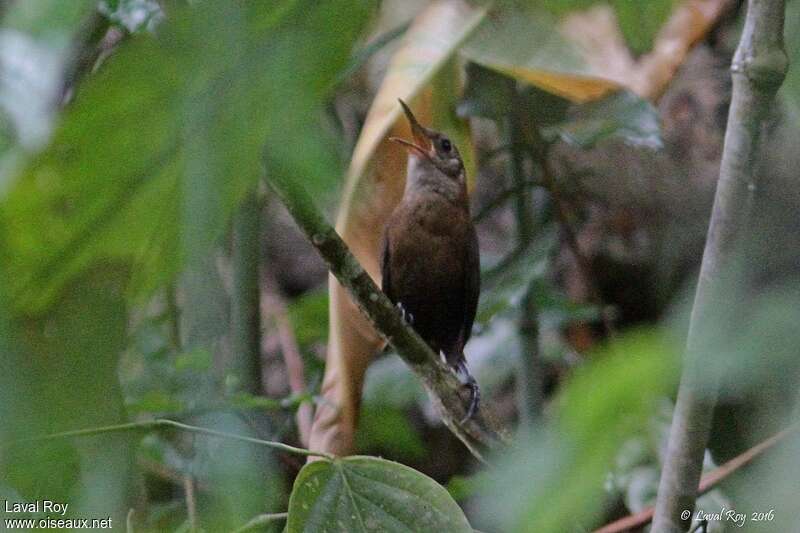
[(262, 520), (173, 316), (191, 502), (274, 306), (129, 521), (163, 422), (708, 482)]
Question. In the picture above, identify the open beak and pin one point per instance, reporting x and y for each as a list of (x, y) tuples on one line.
[(422, 143)]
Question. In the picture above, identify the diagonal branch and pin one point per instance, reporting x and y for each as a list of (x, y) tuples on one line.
[(479, 433)]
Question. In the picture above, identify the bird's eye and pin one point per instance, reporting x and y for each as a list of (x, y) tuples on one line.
[(446, 146)]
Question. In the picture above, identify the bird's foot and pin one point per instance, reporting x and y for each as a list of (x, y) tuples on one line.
[(408, 318), (474, 392)]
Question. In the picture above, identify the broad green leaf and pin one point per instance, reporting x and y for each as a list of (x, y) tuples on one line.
[(70, 381), (621, 115), (361, 494), (526, 44), (163, 141)]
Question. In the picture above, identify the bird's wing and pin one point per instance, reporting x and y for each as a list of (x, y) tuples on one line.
[(472, 284), (385, 278)]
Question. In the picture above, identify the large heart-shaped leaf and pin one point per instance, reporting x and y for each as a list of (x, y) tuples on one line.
[(361, 494)]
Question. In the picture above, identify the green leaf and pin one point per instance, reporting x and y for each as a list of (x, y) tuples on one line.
[(160, 145), (492, 95), (155, 401), (621, 115), (309, 317), (525, 43), (386, 429), (360, 494), (641, 21), (560, 470)]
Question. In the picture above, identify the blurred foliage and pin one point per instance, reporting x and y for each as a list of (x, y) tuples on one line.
[(560, 469), (133, 15), (790, 91), (639, 21), (206, 97), (621, 115), (309, 317)]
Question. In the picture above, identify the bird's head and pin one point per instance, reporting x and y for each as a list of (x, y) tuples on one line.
[(433, 147)]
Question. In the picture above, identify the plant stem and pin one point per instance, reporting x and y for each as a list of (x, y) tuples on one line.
[(273, 305), (245, 317), (163, 422), (516, 169), (262, 520), (529, 377), (446, 391), (759, 67)]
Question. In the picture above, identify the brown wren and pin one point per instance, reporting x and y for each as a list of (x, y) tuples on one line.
[(430, 260)]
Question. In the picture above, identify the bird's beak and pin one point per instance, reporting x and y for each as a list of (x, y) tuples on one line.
[(422, 143)]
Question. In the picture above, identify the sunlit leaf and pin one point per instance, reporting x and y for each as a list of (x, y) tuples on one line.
[(361, 494), (491, 94), (525, 43)]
